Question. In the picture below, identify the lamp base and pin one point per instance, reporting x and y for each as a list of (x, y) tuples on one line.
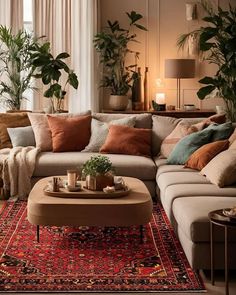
[(158, 107)]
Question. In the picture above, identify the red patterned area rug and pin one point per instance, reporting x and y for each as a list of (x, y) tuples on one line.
[(91, 259)]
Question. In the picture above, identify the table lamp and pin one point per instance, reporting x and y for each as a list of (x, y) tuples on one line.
[(179, 69)]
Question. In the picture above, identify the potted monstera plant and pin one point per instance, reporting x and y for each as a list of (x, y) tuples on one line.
[(55, 74), (98, 172), (112, 44), (217, 44)]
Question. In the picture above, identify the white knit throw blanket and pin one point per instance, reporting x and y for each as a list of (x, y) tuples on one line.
[(18, 166)]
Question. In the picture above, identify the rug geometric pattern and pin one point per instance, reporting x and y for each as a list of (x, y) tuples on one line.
[(91, 259)]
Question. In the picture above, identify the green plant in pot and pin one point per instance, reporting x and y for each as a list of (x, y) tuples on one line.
[(217, 44), (112, 45), (55, 74), (98, 172), (16, 67)]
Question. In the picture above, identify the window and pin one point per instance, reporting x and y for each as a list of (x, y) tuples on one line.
[(28, 15)]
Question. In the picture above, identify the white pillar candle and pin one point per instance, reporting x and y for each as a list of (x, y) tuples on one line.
[(160, 98), (71, 177)]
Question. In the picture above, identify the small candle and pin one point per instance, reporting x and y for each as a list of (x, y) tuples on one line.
[(160, 98), (71, 177)]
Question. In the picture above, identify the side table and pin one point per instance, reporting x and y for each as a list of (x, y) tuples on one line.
[(218, 218)]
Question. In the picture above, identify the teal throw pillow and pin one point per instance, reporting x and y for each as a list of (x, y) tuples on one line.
[(189, 144), (221, 131)]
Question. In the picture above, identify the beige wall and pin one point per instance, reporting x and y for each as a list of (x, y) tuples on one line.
[(165, 20)]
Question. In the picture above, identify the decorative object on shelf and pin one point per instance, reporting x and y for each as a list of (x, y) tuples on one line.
[(109, 189), (216, 41), (136, 87), (191, 11), (112, 45), (189, 107), (158, 107), (179, 69), (98, 172), (145, 90), (51, 70)]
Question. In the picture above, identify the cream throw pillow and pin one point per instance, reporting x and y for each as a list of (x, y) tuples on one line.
[(42, 132), (99, 132), (221, 170)]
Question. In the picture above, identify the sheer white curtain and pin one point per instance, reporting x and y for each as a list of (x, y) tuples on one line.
[(11, 14), (70, 26)]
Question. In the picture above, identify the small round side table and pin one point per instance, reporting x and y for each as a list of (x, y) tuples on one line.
[(218, 218)]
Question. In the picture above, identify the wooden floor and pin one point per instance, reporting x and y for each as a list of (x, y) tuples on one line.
[(218, 289)]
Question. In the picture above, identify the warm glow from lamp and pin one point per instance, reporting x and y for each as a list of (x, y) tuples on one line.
[(160, 98)]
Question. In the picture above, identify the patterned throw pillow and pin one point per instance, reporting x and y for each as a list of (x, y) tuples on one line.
[(180, 131), (99, 132)]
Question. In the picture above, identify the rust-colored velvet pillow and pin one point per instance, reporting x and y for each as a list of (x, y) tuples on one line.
[(11, 120), (127, 140), (202, 156), (69, 134)]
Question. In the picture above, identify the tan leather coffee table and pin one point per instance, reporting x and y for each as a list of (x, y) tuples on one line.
[(133, 209)]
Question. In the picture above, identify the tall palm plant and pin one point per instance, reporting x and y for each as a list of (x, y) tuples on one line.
[(16, 68)]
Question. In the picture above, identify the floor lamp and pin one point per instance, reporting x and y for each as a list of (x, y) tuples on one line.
[(179, 69)]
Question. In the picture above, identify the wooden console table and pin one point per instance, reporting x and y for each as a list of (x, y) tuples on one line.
[(176, 113)]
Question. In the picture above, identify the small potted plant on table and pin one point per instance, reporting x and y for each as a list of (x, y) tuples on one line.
[(98, 172)]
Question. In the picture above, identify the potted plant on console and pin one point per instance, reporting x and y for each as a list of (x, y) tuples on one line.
[(112, 45), (98, 172), (216, 41)]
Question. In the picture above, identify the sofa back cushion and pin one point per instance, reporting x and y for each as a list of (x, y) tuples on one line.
[(11, 120), (127, 140), (161, 127), (141, 120), (42, 132), (69, 134)]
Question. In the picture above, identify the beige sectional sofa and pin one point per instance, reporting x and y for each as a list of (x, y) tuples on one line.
[(186, 196)]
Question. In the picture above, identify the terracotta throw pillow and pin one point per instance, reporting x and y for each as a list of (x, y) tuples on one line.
[(202, 156), (127, 140), (69, 134), (219, 119), (42, 132), (11, 120)]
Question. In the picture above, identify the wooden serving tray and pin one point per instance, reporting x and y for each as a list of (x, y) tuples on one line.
[(86, 193)]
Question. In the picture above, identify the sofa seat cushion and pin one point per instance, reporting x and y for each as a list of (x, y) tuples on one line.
[(48, 164), (171, 168), (191, 215), (168, 178), (187, 190)]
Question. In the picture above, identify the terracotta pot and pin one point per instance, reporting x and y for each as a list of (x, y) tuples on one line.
[(118, 102), (99, 182)]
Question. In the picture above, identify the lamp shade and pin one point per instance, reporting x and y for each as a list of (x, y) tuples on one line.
[(179, 68)]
